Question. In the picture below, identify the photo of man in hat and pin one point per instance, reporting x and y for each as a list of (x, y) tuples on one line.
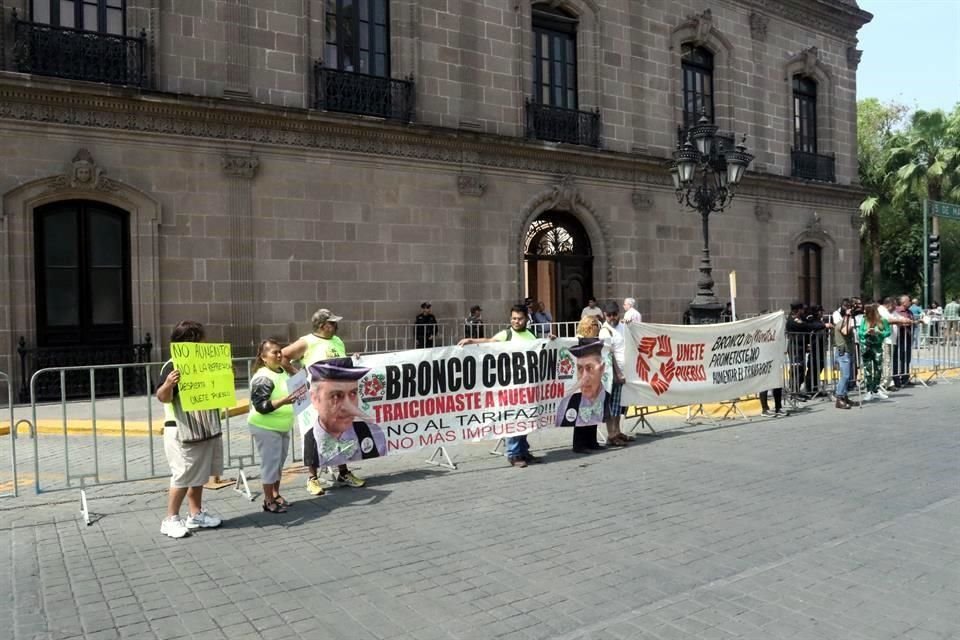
[(585, 408), (341, 433)]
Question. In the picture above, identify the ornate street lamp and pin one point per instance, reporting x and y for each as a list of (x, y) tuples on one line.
[(720, 167)]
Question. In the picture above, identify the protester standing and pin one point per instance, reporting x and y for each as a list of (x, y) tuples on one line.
[(611, 332), (630, 313), (917, 312), (902, 351), (592, 309), (541, 320), (322, 343), (777, 403), (270, 420), (192, 443), (873, 331), (518, 449)]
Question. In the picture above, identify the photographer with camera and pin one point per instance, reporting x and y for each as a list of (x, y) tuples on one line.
[(844, 332)]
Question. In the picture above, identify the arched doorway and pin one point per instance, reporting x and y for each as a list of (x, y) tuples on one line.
[(82, 271), (558, 264), (82, 261)]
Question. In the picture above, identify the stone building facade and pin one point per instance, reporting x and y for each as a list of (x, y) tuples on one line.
[(223, 160)]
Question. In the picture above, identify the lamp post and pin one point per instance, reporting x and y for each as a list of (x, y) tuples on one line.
[(706, 170)]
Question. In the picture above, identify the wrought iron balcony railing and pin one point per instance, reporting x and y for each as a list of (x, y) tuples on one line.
[(363, 94), (812, 166), (556, 124), (76, 384), (79, 55)]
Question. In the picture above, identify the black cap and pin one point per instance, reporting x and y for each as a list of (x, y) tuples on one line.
[(337, 369), (475, 307), (587, 347), (425, 305)]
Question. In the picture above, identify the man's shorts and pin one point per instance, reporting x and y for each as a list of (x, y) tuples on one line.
[(192, 464), (613, 401)]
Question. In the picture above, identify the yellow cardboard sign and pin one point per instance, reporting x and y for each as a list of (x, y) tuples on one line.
[(206, 375)]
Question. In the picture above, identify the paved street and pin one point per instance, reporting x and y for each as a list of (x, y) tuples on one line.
[(823, 525)]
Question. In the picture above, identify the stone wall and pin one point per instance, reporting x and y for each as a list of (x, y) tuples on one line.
[(472, 63), (371, 237)]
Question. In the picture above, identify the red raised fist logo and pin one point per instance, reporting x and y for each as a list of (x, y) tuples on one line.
[(372, 387), (663, 348)]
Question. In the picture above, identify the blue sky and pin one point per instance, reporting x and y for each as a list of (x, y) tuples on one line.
[(911, 53)]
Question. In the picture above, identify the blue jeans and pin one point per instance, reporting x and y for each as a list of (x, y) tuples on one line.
[(843, 359), (517, 447)]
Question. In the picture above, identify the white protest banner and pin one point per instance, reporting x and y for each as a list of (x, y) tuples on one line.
[(451, 395), (693, 364)]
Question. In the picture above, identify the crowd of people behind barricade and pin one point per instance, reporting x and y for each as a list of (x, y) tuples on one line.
[(876, 337)]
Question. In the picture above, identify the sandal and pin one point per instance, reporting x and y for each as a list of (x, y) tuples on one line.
[(283, 502), (616, 441), (625, 437), (273, 507)]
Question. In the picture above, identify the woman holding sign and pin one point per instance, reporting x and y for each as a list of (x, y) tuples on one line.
[(270, 420), (192, 442)]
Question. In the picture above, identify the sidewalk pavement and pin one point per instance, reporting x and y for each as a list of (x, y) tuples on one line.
[(823, 525)]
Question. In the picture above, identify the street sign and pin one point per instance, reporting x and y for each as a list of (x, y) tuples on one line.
[(945, 210)]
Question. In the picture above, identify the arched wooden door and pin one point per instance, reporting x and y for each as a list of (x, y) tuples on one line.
[(558, 264)]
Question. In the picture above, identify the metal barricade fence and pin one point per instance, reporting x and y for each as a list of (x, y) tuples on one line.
[(107, 440), (11, 487), (118, 440), (387, 337), (810, 365), (939, 345)]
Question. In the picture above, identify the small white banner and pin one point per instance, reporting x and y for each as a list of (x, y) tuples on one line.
[(693, 364)]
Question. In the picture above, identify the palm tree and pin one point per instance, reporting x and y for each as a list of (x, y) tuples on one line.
[(924, 162)]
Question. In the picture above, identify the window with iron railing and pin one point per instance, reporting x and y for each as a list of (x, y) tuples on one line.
[(354, 76), (805, 160), (79, 40), (553, 111)]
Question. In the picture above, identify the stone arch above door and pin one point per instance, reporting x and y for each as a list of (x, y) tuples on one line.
[(82, 180), (565, 195)]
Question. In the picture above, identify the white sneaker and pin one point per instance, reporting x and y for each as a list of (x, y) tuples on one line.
[(204, 520), (882, 394), (173, 527), (867, 397)]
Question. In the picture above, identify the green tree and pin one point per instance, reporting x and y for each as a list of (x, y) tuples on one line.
[(876, 125), (924, 162), (902, 162)]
